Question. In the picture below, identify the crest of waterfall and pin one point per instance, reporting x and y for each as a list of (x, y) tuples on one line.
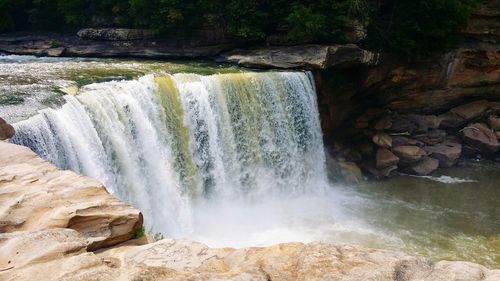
[(164, 142)]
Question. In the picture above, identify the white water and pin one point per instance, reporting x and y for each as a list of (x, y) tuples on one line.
[(229, 159)]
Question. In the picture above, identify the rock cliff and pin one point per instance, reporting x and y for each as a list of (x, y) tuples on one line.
[(51, 221)]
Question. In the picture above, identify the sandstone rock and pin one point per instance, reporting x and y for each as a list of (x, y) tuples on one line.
[(494, 122), (432, 137), (481, 137), (411, 124), (59, 254), (305, 56), (409, 154), (351, 172), (426, 166), (402, 140), (115, 34), (6, 130), (382, 139), (363, 121), (54, 254), (447, 153), (463, 114), (35, 195), (383, 123), (385, 158)]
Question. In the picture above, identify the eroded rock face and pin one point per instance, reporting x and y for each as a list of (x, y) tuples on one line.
[(35, 195)]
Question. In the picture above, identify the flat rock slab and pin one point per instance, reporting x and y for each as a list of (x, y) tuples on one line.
[(305, 56), (35, 195)]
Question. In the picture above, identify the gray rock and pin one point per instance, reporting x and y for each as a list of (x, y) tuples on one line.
[(115, 34), (306, 56), (480, 137)]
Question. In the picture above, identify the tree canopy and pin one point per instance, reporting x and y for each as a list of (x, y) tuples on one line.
[(401, 26)]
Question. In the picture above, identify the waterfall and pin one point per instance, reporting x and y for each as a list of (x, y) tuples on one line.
[(164, 143)]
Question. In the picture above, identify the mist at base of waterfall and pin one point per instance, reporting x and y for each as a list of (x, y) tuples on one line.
[(278, 219)]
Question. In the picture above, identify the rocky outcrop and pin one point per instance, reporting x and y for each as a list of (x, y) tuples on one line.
[(481, 137), (52, 44), (6, 130), (35, 195), (420, 143), (115, 34), (304, 56), (28, 255)]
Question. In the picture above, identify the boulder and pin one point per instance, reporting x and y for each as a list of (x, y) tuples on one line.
[(351, 172), (402, 140), (385, 158), (6, 130), (494, 122), (409, 154), (410, 124), (35, 195), (432, 137), (481, 137), (464, 114), (424, 167), (382, 139), (447, 152), (363, 121), (383, 123), (304, 56), (115, 34)]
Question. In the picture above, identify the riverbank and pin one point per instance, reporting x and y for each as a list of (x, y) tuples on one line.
[(80, 221)]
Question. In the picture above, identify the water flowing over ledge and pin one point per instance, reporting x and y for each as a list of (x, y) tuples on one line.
[(164, 142)]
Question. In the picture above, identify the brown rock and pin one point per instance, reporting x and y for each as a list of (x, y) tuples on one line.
[(410, 124), (432, 137), (385, 158), (6, 130), (409, 154), (447, 153), (494, 122), (402, 140), (463, 114), (383, 123), (426, 166), (481, 137), (363, 121), (382, 139), (35, 195), (351, 172)]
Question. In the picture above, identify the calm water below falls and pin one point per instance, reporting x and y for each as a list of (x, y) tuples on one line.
[(235, 158)]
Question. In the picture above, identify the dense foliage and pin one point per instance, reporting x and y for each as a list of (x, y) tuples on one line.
[(403, 26)]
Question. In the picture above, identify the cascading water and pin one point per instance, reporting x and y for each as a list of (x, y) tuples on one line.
[(168, 143)]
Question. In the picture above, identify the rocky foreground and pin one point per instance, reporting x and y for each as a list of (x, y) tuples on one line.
[(57, 225)]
